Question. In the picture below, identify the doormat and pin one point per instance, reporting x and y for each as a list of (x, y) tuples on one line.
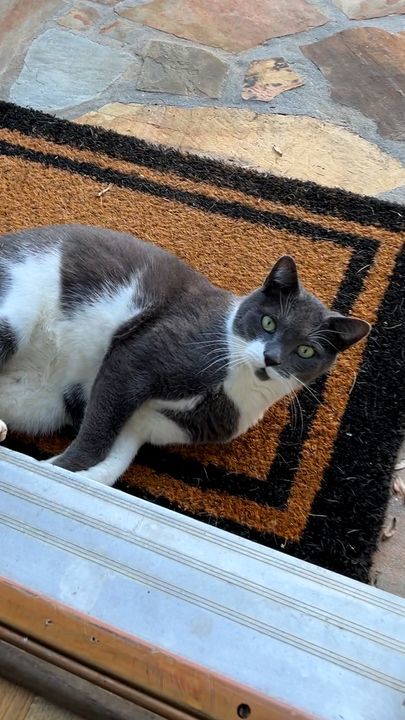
[(315, 484)]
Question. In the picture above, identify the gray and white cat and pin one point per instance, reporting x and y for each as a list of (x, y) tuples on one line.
[(130, 345)]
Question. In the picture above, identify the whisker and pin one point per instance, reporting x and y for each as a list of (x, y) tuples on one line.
[(210, 342), (232, 363), (321, 339), (216, 350), (214, 362), (295, 403), (311, 392)]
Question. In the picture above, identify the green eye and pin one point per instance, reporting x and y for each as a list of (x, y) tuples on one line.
[(305, 351), (268, 324)]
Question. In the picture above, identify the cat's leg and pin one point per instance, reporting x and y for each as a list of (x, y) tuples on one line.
[(118, 459), (145, 425), (117, 393)]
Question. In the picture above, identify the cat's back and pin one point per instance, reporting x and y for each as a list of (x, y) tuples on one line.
[(91, 260)]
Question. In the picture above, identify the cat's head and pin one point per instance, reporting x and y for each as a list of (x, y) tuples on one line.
[(283, 330)]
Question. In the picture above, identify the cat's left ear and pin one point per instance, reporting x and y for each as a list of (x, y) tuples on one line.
[(283, 277), (342, 332)]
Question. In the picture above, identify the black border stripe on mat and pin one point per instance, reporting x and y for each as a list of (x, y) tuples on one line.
[(292, 438), (236, 210), (319, 200)]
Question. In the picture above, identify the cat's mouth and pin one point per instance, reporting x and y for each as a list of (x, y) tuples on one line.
[(268, 373)]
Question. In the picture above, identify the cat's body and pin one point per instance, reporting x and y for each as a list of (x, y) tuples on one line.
[(91, 318)]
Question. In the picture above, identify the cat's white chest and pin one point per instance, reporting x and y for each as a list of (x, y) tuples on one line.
[(252, 396)]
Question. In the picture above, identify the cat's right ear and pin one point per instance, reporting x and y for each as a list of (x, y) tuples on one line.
[(345, 331), (282, 278)]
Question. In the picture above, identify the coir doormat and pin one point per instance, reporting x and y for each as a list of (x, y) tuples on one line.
[(314, 486)]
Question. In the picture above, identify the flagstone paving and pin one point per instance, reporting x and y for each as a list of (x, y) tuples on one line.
[(323, 78), (311, 89)]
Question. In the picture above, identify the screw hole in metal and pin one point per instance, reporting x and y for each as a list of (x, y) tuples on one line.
[(243, 710)]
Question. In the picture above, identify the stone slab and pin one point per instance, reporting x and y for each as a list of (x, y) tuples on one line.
[(395, 196), (181, 70), (81, 18), (298, 147), (265, 79), (20, 22), (122, 30), (233, 25), (365, 69), (62, 69), (363, 9)]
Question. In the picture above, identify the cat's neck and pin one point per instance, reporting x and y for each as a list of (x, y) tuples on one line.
[(251, 395)]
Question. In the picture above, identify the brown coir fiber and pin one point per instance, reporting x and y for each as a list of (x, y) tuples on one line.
[(315, 487)]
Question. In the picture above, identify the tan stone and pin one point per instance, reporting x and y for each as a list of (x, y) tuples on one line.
[(233, 25), (362, 9), (265, 79), (79, 18), (365, 68), (20, 21), (299, 147)]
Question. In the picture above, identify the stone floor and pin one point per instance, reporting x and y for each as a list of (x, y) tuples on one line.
[(311, 89)]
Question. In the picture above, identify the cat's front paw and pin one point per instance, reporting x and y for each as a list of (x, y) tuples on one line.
[(101, 475), (3, 430)]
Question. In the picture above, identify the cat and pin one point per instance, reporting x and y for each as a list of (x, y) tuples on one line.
[(130, 345)]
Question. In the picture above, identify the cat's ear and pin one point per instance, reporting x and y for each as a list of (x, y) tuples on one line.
[(283, 277), (342, 332)]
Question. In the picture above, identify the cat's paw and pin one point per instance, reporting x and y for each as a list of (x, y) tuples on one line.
[(3, 430), (98, 474)]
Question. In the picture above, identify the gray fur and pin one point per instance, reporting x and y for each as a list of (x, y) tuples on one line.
[(213, 419), (75, 402), (16, 246), (8, 341)]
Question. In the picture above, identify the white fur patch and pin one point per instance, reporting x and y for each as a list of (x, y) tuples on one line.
[(3, 430), (55, 351), (251, 396)]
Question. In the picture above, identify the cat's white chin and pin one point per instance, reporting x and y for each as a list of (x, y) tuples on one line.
[(272, 374)]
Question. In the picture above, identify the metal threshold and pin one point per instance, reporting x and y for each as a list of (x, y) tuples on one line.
[(184, 619)]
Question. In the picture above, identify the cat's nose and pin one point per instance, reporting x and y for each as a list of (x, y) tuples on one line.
[(271, 359)]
